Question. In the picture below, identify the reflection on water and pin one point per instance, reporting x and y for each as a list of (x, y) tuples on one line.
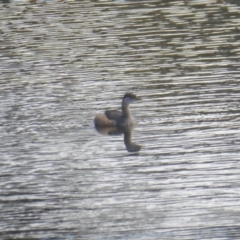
[(61, 62), (126, 131)]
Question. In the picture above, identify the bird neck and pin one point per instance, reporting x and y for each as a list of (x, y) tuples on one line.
[(125, 109)]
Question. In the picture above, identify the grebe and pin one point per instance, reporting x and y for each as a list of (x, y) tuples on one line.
[(114, 118)]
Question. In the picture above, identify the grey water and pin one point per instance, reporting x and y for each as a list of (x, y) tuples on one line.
[(63, 62)]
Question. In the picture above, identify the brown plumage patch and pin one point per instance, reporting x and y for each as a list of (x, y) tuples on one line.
[(101, 120)]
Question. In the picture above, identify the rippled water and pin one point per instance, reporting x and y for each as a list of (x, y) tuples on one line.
[(63, 62)]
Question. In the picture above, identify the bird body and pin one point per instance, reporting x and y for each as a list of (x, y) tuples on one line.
[(114, 118)]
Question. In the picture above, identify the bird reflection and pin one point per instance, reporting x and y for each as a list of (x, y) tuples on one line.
[(127, 131)]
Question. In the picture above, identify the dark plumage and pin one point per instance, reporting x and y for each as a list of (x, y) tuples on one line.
[(114, 118)]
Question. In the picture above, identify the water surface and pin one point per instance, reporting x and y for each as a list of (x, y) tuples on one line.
[(63, 62)]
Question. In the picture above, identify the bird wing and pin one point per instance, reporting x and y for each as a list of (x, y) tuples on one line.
[(113, 114)]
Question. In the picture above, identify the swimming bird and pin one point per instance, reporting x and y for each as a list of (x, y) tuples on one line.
[(114, 118)]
